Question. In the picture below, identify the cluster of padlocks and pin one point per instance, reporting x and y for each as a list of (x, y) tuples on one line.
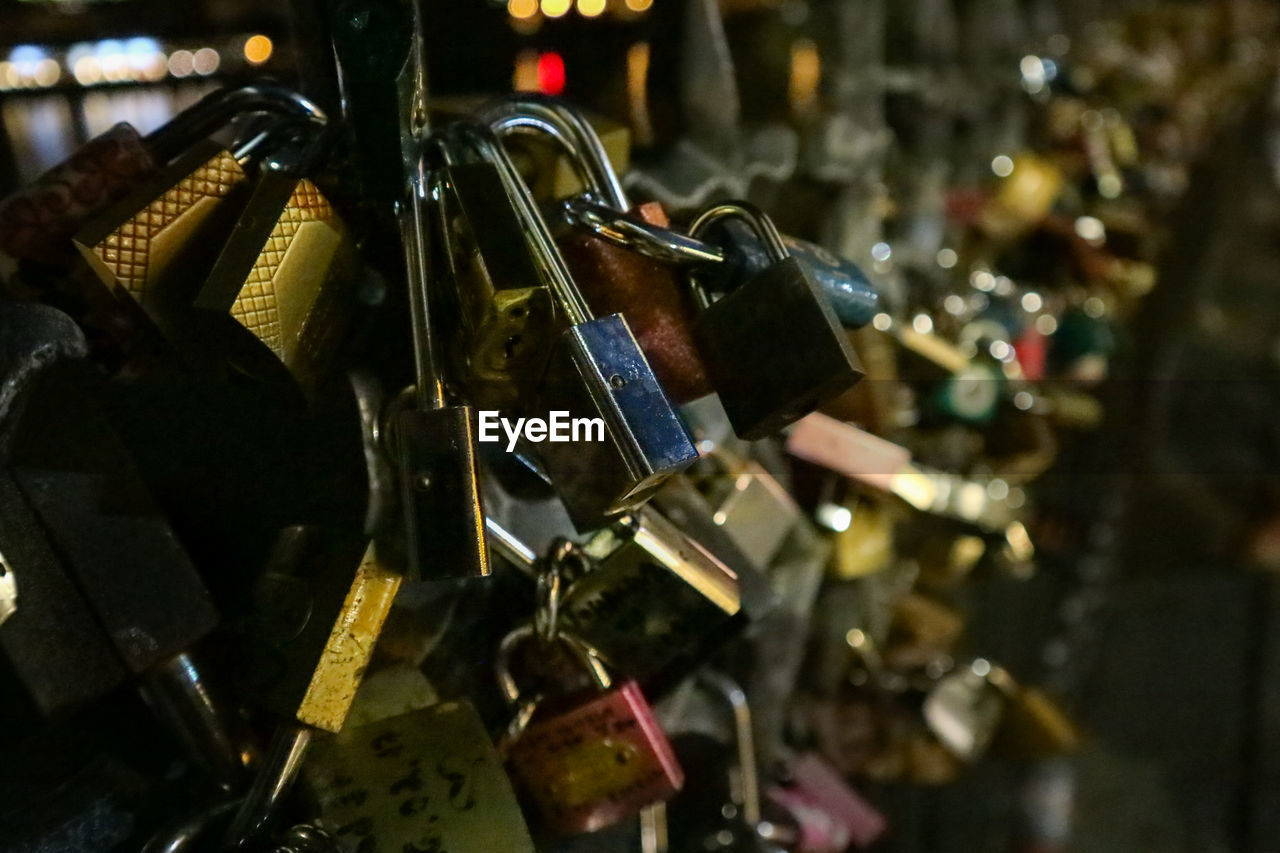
[(502, 513)]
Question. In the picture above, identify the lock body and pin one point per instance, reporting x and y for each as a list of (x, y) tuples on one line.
[(775, 350), (185, 210), (649, 294), (656, 599), (597, 763), (599, 371), (426, 780)]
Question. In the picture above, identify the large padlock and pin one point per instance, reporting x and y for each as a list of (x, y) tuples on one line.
[(588, 763), (614, 278), (287, 269), (179, 217), (435, 439), (429, 779), (773, 346), (596, 369)]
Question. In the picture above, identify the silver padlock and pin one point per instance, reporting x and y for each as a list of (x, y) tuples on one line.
[(596, 370)]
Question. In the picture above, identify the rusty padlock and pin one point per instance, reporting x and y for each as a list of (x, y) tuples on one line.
[(585, 764)]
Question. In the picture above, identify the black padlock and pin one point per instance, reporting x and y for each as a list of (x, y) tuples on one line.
[(773, 346)]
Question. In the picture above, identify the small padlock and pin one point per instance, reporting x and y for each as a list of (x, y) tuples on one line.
[(830, 814), (435, 439), (591, 763), (773, 346), (964, 710), (596, 368), (750, 505), (177, 217), (615, 279), (428, 779), (654, 602)]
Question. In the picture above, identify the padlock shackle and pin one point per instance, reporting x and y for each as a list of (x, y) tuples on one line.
[(756, 218), (567, 126), (744, 740), (216, 109), (415, 226), (584, 654), (479, 141), (633, 233)]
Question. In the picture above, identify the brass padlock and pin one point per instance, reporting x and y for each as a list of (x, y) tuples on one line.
[(588, 763), (178, 215), (429, 779)]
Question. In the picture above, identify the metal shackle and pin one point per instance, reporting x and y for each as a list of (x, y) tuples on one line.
[(563, 123), (757, 219), (466, 140), (582, 652), (218, 108)]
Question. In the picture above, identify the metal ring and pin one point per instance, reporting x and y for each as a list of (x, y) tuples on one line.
[(760, 223)]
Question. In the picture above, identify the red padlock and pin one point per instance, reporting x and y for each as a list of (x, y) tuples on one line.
[(591, 763)]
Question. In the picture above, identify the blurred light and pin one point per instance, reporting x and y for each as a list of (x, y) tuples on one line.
[(998, 489), (981, 667), (590, 8), (1031, 302), (8, 75), (1033, 74), (881, 251), (1046, 324), (551, 76), (834, 517), (181, 63), (257, 49), (983, 280), (922, 323), (525, 78), (639, 5), (638, 93), (27, 54), (1000, 350), (145, 61), (112, 62), (1110, 185), (87, 70), (954, 304), (1091, 230), (947, 258), (522, 8), (1002, 165), (1094, 307), (47, 72), (882, 322), (806, 74), (205, 61), (555, 8), (1023, 401), (1004, 285)]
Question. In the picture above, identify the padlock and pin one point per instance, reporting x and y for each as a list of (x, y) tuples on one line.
[(736, 824), (592, 762), (830, 814), (428, 779), (596, 369), (287, 269), (178, 217), (508, 317), (435, 440), (964, 709), (314, 624), (615, 279), (654, 602), (773, 346), (749, 504)]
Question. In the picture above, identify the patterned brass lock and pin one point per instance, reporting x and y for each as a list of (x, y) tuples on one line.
[(592, 763)]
